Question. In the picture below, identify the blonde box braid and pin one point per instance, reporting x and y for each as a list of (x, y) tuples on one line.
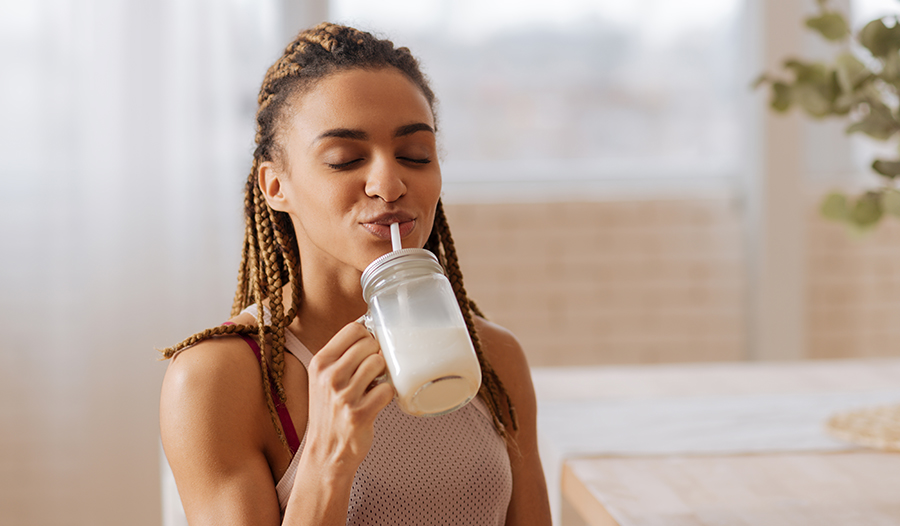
[(440, 242), (269, 255)]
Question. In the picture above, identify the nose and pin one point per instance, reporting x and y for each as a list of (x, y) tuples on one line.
[(384, 181)]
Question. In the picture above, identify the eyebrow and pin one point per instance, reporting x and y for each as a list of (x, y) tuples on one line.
[(359, 135), (410, 129), (343, 133)]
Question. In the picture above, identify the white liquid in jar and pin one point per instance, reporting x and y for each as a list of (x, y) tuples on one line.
[(418, 356)]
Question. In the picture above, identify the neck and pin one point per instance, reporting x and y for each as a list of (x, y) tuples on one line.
[(329, 301)]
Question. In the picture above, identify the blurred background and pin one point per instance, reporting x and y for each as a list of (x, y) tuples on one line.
[(618, 193)]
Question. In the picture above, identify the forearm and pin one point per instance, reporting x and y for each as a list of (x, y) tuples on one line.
[(320, 495)]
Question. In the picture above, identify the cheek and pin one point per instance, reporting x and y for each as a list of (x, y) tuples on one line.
[(431, 191), (309, 203), (426, 188), (431, 185), (326, 206), (313, 189)]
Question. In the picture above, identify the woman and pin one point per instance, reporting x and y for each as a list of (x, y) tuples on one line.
[(345, 147)]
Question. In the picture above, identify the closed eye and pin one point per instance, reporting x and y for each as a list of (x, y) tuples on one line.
[(417, 161), (340, 166)]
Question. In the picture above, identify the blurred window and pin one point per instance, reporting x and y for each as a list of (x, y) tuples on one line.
[(575, 89), (866, 10)]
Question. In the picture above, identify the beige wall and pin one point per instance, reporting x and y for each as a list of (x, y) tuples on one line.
[(854, 291), (663, 280), (608, 282)]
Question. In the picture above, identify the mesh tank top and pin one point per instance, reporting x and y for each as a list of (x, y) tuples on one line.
[(452, 469)]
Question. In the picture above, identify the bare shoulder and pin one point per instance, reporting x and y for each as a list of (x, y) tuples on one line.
[(212, 396), (506, 356), (217, 434), (214, 386), (219, 368)]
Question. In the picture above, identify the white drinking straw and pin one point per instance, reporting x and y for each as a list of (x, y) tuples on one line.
[(396, 244)]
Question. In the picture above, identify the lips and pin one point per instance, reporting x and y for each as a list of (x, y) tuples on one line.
[(380, 226)]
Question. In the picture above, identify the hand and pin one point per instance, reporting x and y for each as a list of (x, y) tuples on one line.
[(343, 403)]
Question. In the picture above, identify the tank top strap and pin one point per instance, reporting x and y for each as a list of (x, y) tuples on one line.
[(284, 417), (292, 344), (296, 347)]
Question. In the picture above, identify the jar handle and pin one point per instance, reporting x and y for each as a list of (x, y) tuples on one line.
[(366, 321)]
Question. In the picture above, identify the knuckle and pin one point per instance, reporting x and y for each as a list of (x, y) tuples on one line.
[(324, 376), (358, 417), (372, 346), (363, 332), (315, 365), (387, 392), (342, 399), (358, 329), (332, 380), (374, 363)]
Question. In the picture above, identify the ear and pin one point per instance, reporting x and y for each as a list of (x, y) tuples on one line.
[(270, 185)]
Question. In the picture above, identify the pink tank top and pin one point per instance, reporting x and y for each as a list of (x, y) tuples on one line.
[(452, 469)]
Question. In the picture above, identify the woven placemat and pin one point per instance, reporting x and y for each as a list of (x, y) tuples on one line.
[(875, 427)]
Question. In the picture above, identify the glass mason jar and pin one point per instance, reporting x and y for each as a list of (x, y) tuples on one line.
[(415, 317)]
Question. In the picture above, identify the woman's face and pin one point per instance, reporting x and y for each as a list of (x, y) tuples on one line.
[(360, 155)]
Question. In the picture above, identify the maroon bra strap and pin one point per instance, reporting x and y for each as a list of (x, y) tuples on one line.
[(290, 434)]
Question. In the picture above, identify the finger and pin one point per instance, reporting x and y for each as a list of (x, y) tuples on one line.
[(380, 379), (341, 342), (377, 398), (353, 357), (371, 368)]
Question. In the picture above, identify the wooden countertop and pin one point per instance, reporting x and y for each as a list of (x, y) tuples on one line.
[(797, 489), (708, 444)]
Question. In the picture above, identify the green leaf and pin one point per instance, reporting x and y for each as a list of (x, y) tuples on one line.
[(890, 202), (851, 73), (843, 104), (887, 168), (879, 123), (834, 207), (811, 98), (830, 25), (891, 70), (867, 210), (782, 97), (879, 39), (816, 87), (808, 72)]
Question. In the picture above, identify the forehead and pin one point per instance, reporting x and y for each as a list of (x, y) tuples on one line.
[(362, 99)]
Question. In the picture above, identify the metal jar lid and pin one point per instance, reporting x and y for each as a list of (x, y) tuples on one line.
[(395, 257)]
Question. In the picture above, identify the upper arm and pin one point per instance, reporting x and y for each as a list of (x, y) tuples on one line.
[(529, 503), (212, 411)]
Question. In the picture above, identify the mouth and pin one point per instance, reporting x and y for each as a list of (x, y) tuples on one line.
[(380, 226)]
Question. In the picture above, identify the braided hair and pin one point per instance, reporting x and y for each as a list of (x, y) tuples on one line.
[(270, 255)]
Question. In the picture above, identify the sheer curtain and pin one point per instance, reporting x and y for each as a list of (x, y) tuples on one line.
[(125, 135)]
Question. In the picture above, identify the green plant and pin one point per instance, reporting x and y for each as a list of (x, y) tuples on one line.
[(862, 85)]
